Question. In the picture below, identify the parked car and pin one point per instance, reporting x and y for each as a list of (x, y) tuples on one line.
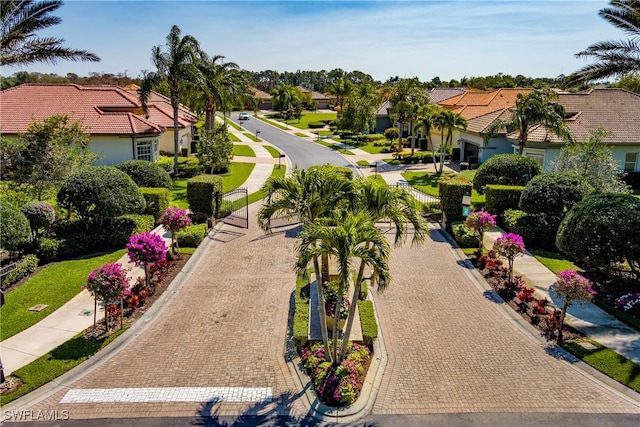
[(243, 116)]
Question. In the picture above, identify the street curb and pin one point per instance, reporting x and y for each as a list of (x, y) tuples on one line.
[(347, 414), (138, 328), (531, 332)]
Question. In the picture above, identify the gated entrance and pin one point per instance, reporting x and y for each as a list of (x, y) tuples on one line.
[(234, 208), (418, 195)]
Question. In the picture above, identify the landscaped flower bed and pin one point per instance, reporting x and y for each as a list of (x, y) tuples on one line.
[(336, 385)]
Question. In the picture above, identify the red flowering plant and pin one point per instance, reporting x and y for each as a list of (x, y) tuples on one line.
[(525, 296), (175, 219), (509, 245), (109, 284), (570, 286), (146, 248), (480, 221)]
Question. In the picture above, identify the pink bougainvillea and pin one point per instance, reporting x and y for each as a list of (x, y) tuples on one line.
[(108, 283), (509, 245), (480, 221), (175, 219), (570, 286), (145, 248)]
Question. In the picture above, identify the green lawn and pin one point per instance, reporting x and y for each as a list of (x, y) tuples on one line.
[(54, 286), (277, 172), (427, 182), (608, 362), (233, 137), (55, 363), (553, 261), (179, 193), (272, 122), (252, 137), (243, 150), (273, 151), (310, 117), (323, 132), (372, 149), (232, 123), (335, 147), (301, 135)]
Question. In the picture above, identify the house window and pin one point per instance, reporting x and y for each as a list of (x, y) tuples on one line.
[(145, 150), (537, 156), (630, 162)]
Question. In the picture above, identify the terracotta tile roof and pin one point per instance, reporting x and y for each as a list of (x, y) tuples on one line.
[(257, 93), (615, 110), (475, 104), (163, 104), (314, 94), (103, 110)]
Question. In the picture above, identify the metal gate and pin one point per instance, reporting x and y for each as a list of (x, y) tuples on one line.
[(418, 195), (234, 208)]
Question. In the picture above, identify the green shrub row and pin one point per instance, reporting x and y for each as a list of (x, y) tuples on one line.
[(203, 194), (301, 313), (499, 198), (145, 173), (466, 237), (537, 230), (157, 201), (24, 268), (451, 192), (418, 157), (368, 321), (315, 125), (192, 236)]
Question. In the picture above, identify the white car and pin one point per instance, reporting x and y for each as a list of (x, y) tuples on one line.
[(243, 116)]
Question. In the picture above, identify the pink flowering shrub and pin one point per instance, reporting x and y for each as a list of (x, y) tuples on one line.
[(336, 385), (570, 286), (510, 246), (630, 303), (146, 248), (480, 221), (175, 219), (108, 283)]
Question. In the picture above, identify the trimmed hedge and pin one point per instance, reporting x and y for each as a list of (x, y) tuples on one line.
[(466, 237), (505, 169), (451, 192), (157, 201), (537, 230), (315, 125), (203, 194), (368, 321), (118, 232), (191, 236), (146, 174), (502, 197), (553, 193), (26, 266), (14, 227)]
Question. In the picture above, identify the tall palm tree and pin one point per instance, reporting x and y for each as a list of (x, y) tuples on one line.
[(220, 84), (447, 121), (309, 195), (535, 108), (177, 65), (426, 121), (341, 88), (19, 45), (406, 98), (346, 236), (614, 57)]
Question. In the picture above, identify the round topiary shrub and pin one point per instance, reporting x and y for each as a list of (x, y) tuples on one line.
[(146, 174), (553, 193), (505, 169), (14, 227), (40, 216), (101, 192), (602, 229)]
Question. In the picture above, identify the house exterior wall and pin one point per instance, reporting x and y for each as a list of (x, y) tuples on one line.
[(166, 139), (497, 145), (111, 149), (383, 123)]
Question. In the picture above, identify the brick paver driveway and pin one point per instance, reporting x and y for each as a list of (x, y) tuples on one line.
[(450, 350)]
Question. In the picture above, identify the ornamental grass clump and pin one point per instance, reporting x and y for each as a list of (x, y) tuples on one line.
[(146, 248), (109, 284), (570, 286), (480, 221), (175, 219), (510, 246)]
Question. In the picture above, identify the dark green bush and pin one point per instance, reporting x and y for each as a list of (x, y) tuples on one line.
[(101, 192), (166, 163), (391, 133), (146, 174), (315, 125), (117, 233), (451, 192), (50, 249), (368, 321), (26, 266), (189, 167), (192, 236), (553, 193), (14, 227), (499, 198), (466, 237), (40, 216), (602, 229), (394, 162), (157, 201), (505, 169), (203, 194), (537, 230)]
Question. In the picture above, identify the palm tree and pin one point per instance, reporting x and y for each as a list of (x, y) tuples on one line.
[(177, 65), (347, 235), (536, 108), (447, 121), (341, 88), (407, 97), (426, 121), (309, 195), (220, 84), (19, 45), (614, 57)]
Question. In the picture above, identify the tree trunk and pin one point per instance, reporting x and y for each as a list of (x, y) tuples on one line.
[(325, 268), (336, 320), (322, 312), (121, 311), (352, 311), (176, 139), (147, 280), (413, 138), (95, 311), (106, 317), (563, 313)]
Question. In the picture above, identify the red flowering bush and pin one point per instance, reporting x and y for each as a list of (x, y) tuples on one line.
[(175, 219)]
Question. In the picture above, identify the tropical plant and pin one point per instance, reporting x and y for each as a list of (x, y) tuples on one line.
[(571, 287), (146, 248), (447, 121), (426, 121), (108, 283), (510, 246), (480, 221), (535, 108), (175, 219), (215, 149), (614, 57), (340, 88), (49, 152), (19, 44), (286, 100), (359, 114), (407, 97), (347, 235), (177, 65)]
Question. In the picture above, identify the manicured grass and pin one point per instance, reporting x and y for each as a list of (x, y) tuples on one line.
[(277, 172), (363, 163), (233, 137), (427, 182), (335, 147), (553, 261), (232, 123), (272, 122), (55, 363), (323, 133), (372, 149), (301, 135), (273, 151), (301, 313), (243, 150), (53, 286), (189, 251), (252, 137), (237, 175), (310, 117), (608, 362)]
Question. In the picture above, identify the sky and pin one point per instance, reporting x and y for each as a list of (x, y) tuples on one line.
[(449, 39)]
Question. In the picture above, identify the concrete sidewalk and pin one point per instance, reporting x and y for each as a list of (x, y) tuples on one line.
[(586, 317)]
